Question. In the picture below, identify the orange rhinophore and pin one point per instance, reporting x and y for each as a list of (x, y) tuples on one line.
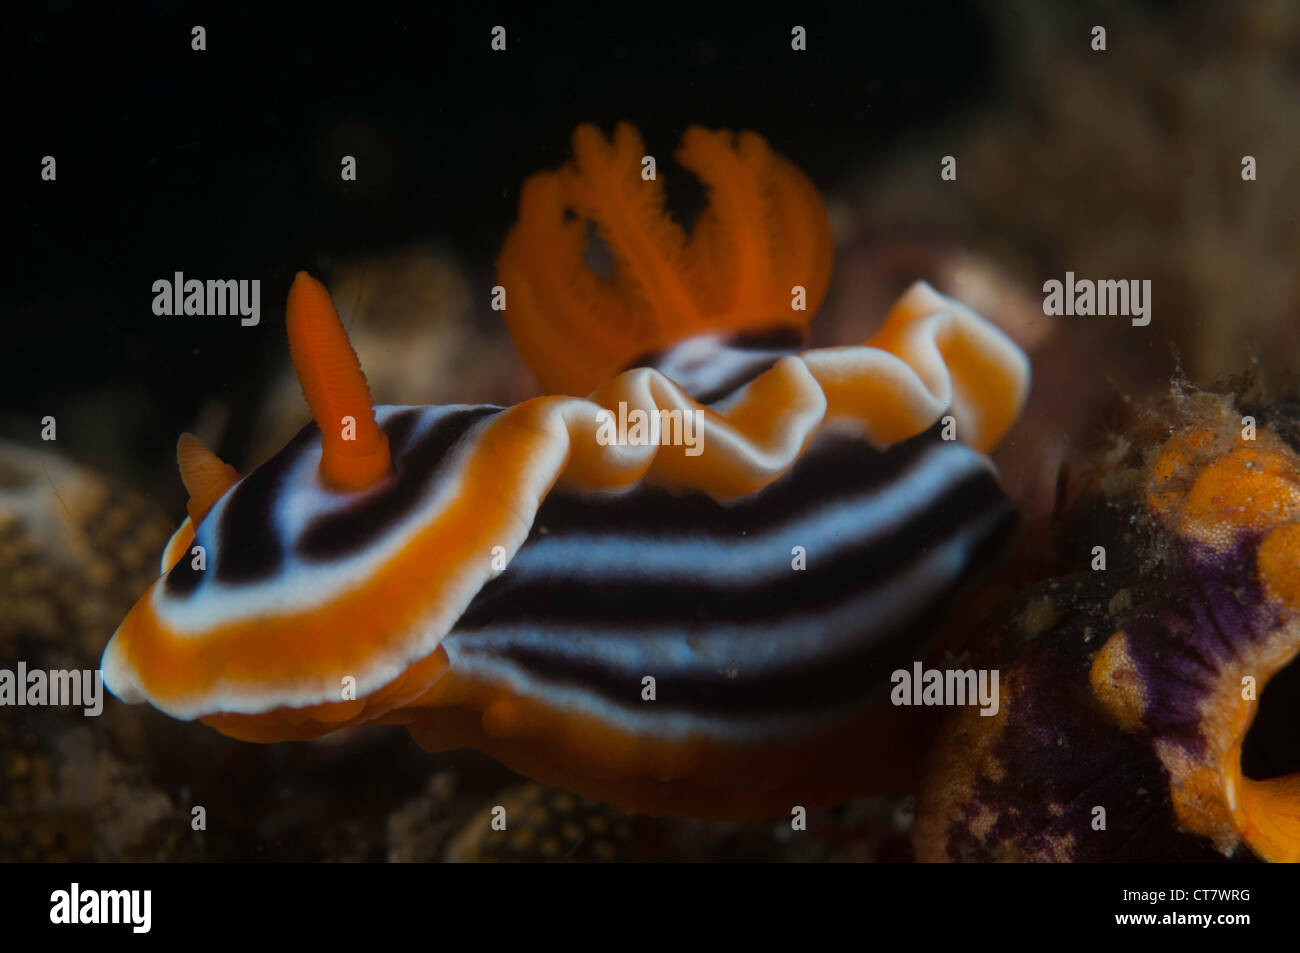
[(205, 475), (354, 451)]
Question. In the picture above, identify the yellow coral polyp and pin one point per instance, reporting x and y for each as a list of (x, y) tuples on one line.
[(1213, 492), (1245, 490), (1278, 564), (1175, 465), (1117, 684)]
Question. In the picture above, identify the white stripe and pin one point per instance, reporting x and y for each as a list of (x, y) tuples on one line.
[(615, 557), (745, 650), (300, 584)]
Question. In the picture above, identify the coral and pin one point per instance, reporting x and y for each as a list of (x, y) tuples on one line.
[(1127, 701)]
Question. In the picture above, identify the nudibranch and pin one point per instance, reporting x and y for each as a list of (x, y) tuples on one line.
[(1132, 688), (693, 627)]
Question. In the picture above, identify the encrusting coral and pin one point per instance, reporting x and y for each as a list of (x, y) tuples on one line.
[(1132, 675)]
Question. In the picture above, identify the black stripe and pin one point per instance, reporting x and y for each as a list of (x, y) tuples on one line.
[(777, 338), (856, 672), (417, 470), (519, 596), (973, 506), (246, 547), (788, 340), (182, 579), (783, 338), (832, 469), (398, 429)]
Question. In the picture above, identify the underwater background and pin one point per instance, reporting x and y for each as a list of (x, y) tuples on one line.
[(224, 163)]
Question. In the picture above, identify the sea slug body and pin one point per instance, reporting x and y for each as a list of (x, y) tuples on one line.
[(682, 629)]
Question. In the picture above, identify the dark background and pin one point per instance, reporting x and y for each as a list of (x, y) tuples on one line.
[(225, 163)]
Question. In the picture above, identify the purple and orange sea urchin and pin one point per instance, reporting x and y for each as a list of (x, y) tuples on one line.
[(1128, 692)]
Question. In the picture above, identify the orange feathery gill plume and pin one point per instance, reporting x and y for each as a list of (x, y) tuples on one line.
[(759, 258)]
